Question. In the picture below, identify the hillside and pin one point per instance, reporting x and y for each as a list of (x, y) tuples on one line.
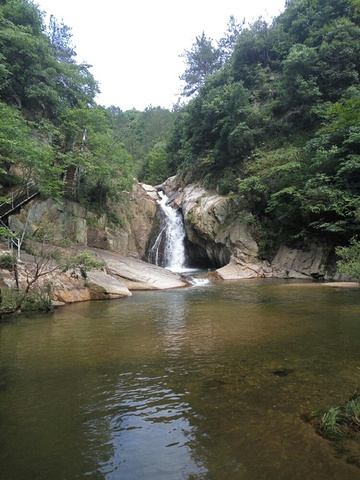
[(277, 126)]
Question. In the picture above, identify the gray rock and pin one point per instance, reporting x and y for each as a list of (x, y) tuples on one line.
[(138, 275), (213, 226)]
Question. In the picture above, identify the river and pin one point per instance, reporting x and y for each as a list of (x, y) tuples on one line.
[(207, 383)]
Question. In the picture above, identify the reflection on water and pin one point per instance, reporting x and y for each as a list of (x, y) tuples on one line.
[(180, 384)]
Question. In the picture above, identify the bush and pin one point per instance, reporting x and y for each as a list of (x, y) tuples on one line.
[(37, 300), (349, 263), (7, 262)]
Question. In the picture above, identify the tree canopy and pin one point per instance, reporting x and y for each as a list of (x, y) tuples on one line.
[(276, 124), (52, 132)]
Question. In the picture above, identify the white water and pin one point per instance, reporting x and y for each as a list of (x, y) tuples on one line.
[(172, 236), (168, 250), (198, 282)]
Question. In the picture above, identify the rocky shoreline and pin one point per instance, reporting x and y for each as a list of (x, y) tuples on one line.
[(117, 279)]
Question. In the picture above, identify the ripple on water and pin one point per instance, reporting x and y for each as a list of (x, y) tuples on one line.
[(192, 383), (151, 433)]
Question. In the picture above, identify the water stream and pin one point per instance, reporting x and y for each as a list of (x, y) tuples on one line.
[(180, 385), (168, 250)]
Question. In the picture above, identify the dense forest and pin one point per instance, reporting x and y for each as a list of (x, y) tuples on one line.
[(52, 132), (276, 124), (271, 117)]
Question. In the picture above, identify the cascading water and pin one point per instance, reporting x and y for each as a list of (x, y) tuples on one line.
[(169, 249)]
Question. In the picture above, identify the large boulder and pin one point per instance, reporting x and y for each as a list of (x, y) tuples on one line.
[(116, 280), (136, 274), (213, 227)]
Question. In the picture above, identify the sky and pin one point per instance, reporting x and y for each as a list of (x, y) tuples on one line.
[(134, 46)]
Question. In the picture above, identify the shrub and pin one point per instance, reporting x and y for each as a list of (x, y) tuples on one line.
[(7, 262), (349, 263)]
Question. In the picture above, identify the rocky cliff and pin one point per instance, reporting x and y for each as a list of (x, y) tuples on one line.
[(124, 230), (118, 239), (117, 279), (216, 236), (217, 233)]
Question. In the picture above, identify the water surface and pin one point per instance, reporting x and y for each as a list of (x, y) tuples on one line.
[(203, 383)]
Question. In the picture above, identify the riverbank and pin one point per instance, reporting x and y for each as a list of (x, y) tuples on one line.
[(120, 276), (326, 284), (117, 279)]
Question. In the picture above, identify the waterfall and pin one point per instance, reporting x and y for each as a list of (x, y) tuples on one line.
[(169, 249)]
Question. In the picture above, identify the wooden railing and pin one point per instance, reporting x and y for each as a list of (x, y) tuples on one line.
[(17, 198)]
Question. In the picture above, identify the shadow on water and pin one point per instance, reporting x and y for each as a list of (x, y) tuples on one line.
[(198, 383)]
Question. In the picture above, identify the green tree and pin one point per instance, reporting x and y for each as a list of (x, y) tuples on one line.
[(227, 43), (38, 76), (349, 263), (156, 168), (201, 61), (141, 131), (60, 37), (24, 157), (98, 167)]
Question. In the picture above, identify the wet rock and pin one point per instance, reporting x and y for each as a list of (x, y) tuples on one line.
[(138, 275), (217, 234)]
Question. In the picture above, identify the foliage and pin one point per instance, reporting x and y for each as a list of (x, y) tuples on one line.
[(36, 74), (339, 422), (50, 257), (349, 263), (37, 300), (277, 124), (272, 118), (201, 61), (97, 165), (23, 155), (227, 43), (156, 165), (7, 261), (84, 262), (52, 133), (329, 423), (140, 132)]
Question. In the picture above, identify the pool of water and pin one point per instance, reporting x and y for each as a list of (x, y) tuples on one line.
[(204, 383)]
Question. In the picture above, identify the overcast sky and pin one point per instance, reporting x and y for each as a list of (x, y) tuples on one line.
[(134, 45)]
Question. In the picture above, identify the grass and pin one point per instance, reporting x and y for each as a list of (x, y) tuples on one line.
[(340, 421)]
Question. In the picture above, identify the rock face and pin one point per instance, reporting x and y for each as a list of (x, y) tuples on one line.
[(316, 262), (120, 241), (217, 234), (127, 235)]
